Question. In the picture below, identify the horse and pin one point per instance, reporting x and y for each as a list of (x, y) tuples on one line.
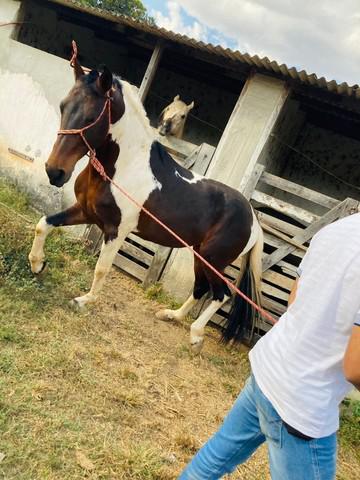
[(104, 113), (172, 119)]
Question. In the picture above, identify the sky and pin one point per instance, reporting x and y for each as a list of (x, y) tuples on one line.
[(319, 36)]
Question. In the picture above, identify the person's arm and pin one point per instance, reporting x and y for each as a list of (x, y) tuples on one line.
[(292, 295), (352, 358)]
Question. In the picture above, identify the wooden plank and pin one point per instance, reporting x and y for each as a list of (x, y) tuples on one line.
[(151, 70), (137, 253), (280, 225), (288, 268), (146, 243), (203, 159), (250, 180), (274, 292), (303, 216), (280, 235), (278, 243), (130, 267), (176, 146), (157, 265), (93, 235), (273, 306), (299, 190), (278, 279), (337, 212)]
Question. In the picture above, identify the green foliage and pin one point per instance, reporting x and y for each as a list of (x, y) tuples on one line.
[(350, 425), (131, 8)]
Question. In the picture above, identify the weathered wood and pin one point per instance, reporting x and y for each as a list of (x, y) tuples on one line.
[(176, 146), (93, 235), (280, 225), (299, 190), (137, 253), (280, 235), (145, 243), (203, 159), (250, 180), (274, 292), (278, 243), (151, 70), (157, 265), (339, 211), (278, 279), (130, 267), (272, 305), (303, 216), (288, 268)]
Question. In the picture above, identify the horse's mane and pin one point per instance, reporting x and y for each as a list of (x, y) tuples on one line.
[(132, 99)]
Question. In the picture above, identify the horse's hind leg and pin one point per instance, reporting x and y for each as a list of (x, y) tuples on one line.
[(213, 252), (201, 286), (72, 216)]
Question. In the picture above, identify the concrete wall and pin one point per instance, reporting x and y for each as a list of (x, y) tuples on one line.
[(32, 84)]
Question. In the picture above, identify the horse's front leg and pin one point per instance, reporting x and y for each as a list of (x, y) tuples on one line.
[(72, 216), (111, 245)]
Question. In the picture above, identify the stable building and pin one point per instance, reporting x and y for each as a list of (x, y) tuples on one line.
[(289, 141)]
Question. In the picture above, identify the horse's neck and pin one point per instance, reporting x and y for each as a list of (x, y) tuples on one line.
[(133, 131)]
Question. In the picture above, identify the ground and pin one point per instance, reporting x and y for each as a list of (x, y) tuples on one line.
[(111, 392)]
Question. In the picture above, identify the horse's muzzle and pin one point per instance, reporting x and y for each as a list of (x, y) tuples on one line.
[(57, 176)]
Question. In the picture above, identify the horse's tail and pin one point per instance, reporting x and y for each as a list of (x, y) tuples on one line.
[(243, 317)]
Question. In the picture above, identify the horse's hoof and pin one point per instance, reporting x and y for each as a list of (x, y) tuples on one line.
[(164, 315), (40, 268), (76, 304), (197, 346)]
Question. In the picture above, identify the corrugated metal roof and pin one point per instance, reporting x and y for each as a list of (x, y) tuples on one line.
[(234, 55)]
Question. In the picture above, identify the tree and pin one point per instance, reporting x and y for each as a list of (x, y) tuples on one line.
[(131, 8)]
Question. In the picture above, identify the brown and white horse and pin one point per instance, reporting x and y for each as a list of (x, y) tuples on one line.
[(217, 220), (172, 119)]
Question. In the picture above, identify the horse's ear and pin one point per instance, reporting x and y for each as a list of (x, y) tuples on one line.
[(161, 117), (176, 98), (105, 80), (191, 106)]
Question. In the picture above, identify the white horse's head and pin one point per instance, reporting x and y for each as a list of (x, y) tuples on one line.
[(172, 119)]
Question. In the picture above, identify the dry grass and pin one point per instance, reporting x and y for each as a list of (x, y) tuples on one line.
[(112, 385)]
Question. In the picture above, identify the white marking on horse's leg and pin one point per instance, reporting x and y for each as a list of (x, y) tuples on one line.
[(197, 328), (103, 265), (180, 313), (36, 255)]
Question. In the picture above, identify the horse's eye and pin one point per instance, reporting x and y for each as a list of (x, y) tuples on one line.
[(182, 116)]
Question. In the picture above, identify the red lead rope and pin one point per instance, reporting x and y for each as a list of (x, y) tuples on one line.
[(100, 169)]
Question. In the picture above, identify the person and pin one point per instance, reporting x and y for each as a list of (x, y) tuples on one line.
[(301, 371)]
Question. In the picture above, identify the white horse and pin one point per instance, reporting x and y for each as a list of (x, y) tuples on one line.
[(172, 119)]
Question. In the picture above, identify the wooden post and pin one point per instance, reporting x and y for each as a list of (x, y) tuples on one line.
[(151, 70)]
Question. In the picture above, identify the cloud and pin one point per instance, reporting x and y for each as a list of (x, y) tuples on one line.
[(321, 36), (175, 21)]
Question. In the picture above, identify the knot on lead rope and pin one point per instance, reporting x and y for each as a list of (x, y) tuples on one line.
[(97, 165)]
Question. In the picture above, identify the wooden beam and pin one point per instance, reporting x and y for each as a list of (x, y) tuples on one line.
[(299, 190), (151, 70)]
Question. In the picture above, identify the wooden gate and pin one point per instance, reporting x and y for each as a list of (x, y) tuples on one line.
[(142, 259), (288, 230)]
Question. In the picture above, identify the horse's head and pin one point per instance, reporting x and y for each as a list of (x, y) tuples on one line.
[(172, 119), (83, 106)]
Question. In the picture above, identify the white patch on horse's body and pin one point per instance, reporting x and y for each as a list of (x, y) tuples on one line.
[(135, 137), (196, 177)]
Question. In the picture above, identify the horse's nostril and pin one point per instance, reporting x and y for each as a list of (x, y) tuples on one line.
[(56, 175)]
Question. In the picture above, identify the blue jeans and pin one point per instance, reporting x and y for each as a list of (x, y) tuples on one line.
[(252, 421)]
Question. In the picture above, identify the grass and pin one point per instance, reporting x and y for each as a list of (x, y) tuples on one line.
[(110, 392)]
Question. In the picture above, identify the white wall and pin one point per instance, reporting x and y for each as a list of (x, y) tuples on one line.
[(32, 83)]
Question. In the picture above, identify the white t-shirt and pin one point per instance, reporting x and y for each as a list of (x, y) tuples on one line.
[(298, 363)]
